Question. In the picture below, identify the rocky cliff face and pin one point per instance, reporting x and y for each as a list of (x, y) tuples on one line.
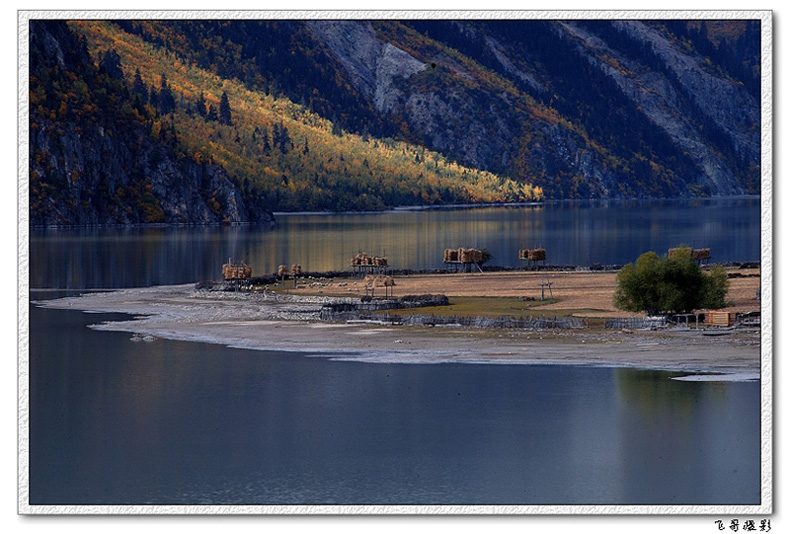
[(107, 180), (666, 99), (95, 164), (607, 109), (374, 66)]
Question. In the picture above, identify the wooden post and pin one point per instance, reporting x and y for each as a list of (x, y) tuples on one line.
[(543, 285)]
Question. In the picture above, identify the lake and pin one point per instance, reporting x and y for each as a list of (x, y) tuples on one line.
[(573, 233), (120, 422), (113, 421)]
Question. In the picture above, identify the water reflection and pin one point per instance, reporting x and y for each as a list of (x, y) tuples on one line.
[(668, 422), (116, 421), (581, 233)]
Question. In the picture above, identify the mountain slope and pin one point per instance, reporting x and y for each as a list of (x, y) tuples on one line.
[(208, 120), (283, 153), (579, 108), (625, 108), (93, 159)]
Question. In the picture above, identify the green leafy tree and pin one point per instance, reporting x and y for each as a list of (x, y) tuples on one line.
[(663, 285)]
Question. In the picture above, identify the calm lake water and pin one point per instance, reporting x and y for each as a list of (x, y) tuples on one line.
[(121, 422), (582, 233), (114, 421)]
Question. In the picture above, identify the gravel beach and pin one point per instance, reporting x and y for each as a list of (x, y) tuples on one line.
[(289, 323)]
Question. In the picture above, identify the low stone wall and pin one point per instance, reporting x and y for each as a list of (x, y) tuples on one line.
[(525, 323), (636, 322)]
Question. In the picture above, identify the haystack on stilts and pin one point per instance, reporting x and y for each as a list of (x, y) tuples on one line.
[(371, 282), (236, 271), (282, 271), (370, 285), (389, 284), (464, 257), (537, 254), (533, 256), (679, 252), (363, 263), (450, 255), (701, 255), (296, 272)]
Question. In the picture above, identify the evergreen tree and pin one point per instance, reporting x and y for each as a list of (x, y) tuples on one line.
[(283, 140), (266, 148), (111, 64), (336, 129), (211, 115), (139, 88), (153, 98), (167, 102), (224, 109), (200, 105)]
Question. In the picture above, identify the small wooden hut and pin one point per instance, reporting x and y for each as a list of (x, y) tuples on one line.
[(720, 318)]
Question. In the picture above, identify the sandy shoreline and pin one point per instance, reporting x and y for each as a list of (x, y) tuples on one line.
[(286, 323)]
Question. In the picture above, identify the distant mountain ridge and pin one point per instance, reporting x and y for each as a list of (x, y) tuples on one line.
[(372, 114)]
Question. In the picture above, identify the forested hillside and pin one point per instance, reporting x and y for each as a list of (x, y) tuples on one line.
[(206, 120), (98, 155)]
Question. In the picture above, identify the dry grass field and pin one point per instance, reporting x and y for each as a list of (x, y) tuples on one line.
[(578, 293)]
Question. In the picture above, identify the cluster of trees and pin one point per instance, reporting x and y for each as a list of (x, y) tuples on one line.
[(74, 97), (276, 58), (661, 285), (163, 100), (210, 113), (89, 116), (733, 46)]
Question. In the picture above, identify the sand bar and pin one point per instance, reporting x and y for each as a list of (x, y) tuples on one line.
[(287, 323)]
